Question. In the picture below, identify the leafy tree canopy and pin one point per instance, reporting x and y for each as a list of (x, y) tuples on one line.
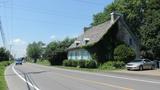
[(35, 50), (4, 54), (143, 18)]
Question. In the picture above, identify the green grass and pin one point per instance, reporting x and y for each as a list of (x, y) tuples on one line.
[(46, 63), (43, 62), (85, 69), (3, 85), (80, 69)]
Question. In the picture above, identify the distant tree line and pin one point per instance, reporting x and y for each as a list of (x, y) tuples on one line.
[(54, 52), (4, 54)]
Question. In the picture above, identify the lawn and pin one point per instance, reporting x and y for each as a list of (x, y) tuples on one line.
[(3, 85)]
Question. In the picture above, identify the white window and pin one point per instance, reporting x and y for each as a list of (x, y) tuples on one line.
[(86, 40), (77, 43)]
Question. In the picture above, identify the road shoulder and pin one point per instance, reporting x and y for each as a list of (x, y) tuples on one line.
[(13, 81), (155, 73)]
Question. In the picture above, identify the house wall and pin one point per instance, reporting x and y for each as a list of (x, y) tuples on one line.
[(104, 49), (79, 54), (126, 36)]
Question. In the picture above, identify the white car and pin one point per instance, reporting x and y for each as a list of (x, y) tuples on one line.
[(140, 64), (18, 62)]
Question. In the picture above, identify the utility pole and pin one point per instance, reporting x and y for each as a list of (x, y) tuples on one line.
[(2, 34), (10, 49)]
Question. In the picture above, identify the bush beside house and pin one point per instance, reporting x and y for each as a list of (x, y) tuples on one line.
[(111, 65), (124, 53), (81, 63), (56, 58)]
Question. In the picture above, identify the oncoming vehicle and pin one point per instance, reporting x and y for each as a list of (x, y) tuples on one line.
[(140, 64), (18, 61)]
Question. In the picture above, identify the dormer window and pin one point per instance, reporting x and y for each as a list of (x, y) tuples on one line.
[(86, 40), (77, 43)]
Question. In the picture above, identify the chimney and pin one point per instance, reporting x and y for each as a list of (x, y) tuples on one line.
[(113, 17)]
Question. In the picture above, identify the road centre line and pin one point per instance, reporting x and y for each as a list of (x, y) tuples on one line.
[(23, 78)]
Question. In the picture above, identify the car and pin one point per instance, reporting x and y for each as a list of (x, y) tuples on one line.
[(140, 64), (18, 61)]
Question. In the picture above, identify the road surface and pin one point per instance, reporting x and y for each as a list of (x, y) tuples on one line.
[(37, 77)]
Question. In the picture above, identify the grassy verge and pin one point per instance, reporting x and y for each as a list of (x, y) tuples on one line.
[(89, 70), (83, 69), (3, 85), (43, 62), (46, 63)]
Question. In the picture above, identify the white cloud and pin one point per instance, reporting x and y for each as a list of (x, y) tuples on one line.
[(18, 41), (18, 47), (52, 37)]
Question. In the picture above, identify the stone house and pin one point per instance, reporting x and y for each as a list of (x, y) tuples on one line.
[(99, 41)]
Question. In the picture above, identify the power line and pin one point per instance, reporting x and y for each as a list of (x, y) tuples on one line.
[(4, 1), (44, 12), (5, 34), (88, 2), (42, 21)]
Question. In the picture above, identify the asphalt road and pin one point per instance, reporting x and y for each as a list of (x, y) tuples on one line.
[(38, 77)]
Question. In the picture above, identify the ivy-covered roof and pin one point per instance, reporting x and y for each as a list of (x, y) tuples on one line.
[(93, 34)]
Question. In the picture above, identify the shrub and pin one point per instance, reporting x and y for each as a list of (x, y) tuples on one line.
[(56, 58), (119, 64), (71, 63), (67, 63), (81, 63), (64, 63), (111, 65), (74, 63), (91, 64), (124, 53)]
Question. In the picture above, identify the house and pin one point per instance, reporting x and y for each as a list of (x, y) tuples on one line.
[(99, 41)]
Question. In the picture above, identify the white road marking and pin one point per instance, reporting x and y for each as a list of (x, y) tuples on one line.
[(110, 76), (23, 78)]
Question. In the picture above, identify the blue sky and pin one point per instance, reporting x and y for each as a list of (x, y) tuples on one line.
[(25, 21)]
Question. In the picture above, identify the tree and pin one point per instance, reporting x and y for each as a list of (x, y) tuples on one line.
[(4, 54), (142, 17), (34, 50), (132, 11), (124, 53), (150, 30), (58, 46), (56, 51)]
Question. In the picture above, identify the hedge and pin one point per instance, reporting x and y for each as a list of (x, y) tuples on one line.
[(80, 63), (111, 65)]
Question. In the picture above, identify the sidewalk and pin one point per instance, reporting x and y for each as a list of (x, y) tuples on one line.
[(145, 72)]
